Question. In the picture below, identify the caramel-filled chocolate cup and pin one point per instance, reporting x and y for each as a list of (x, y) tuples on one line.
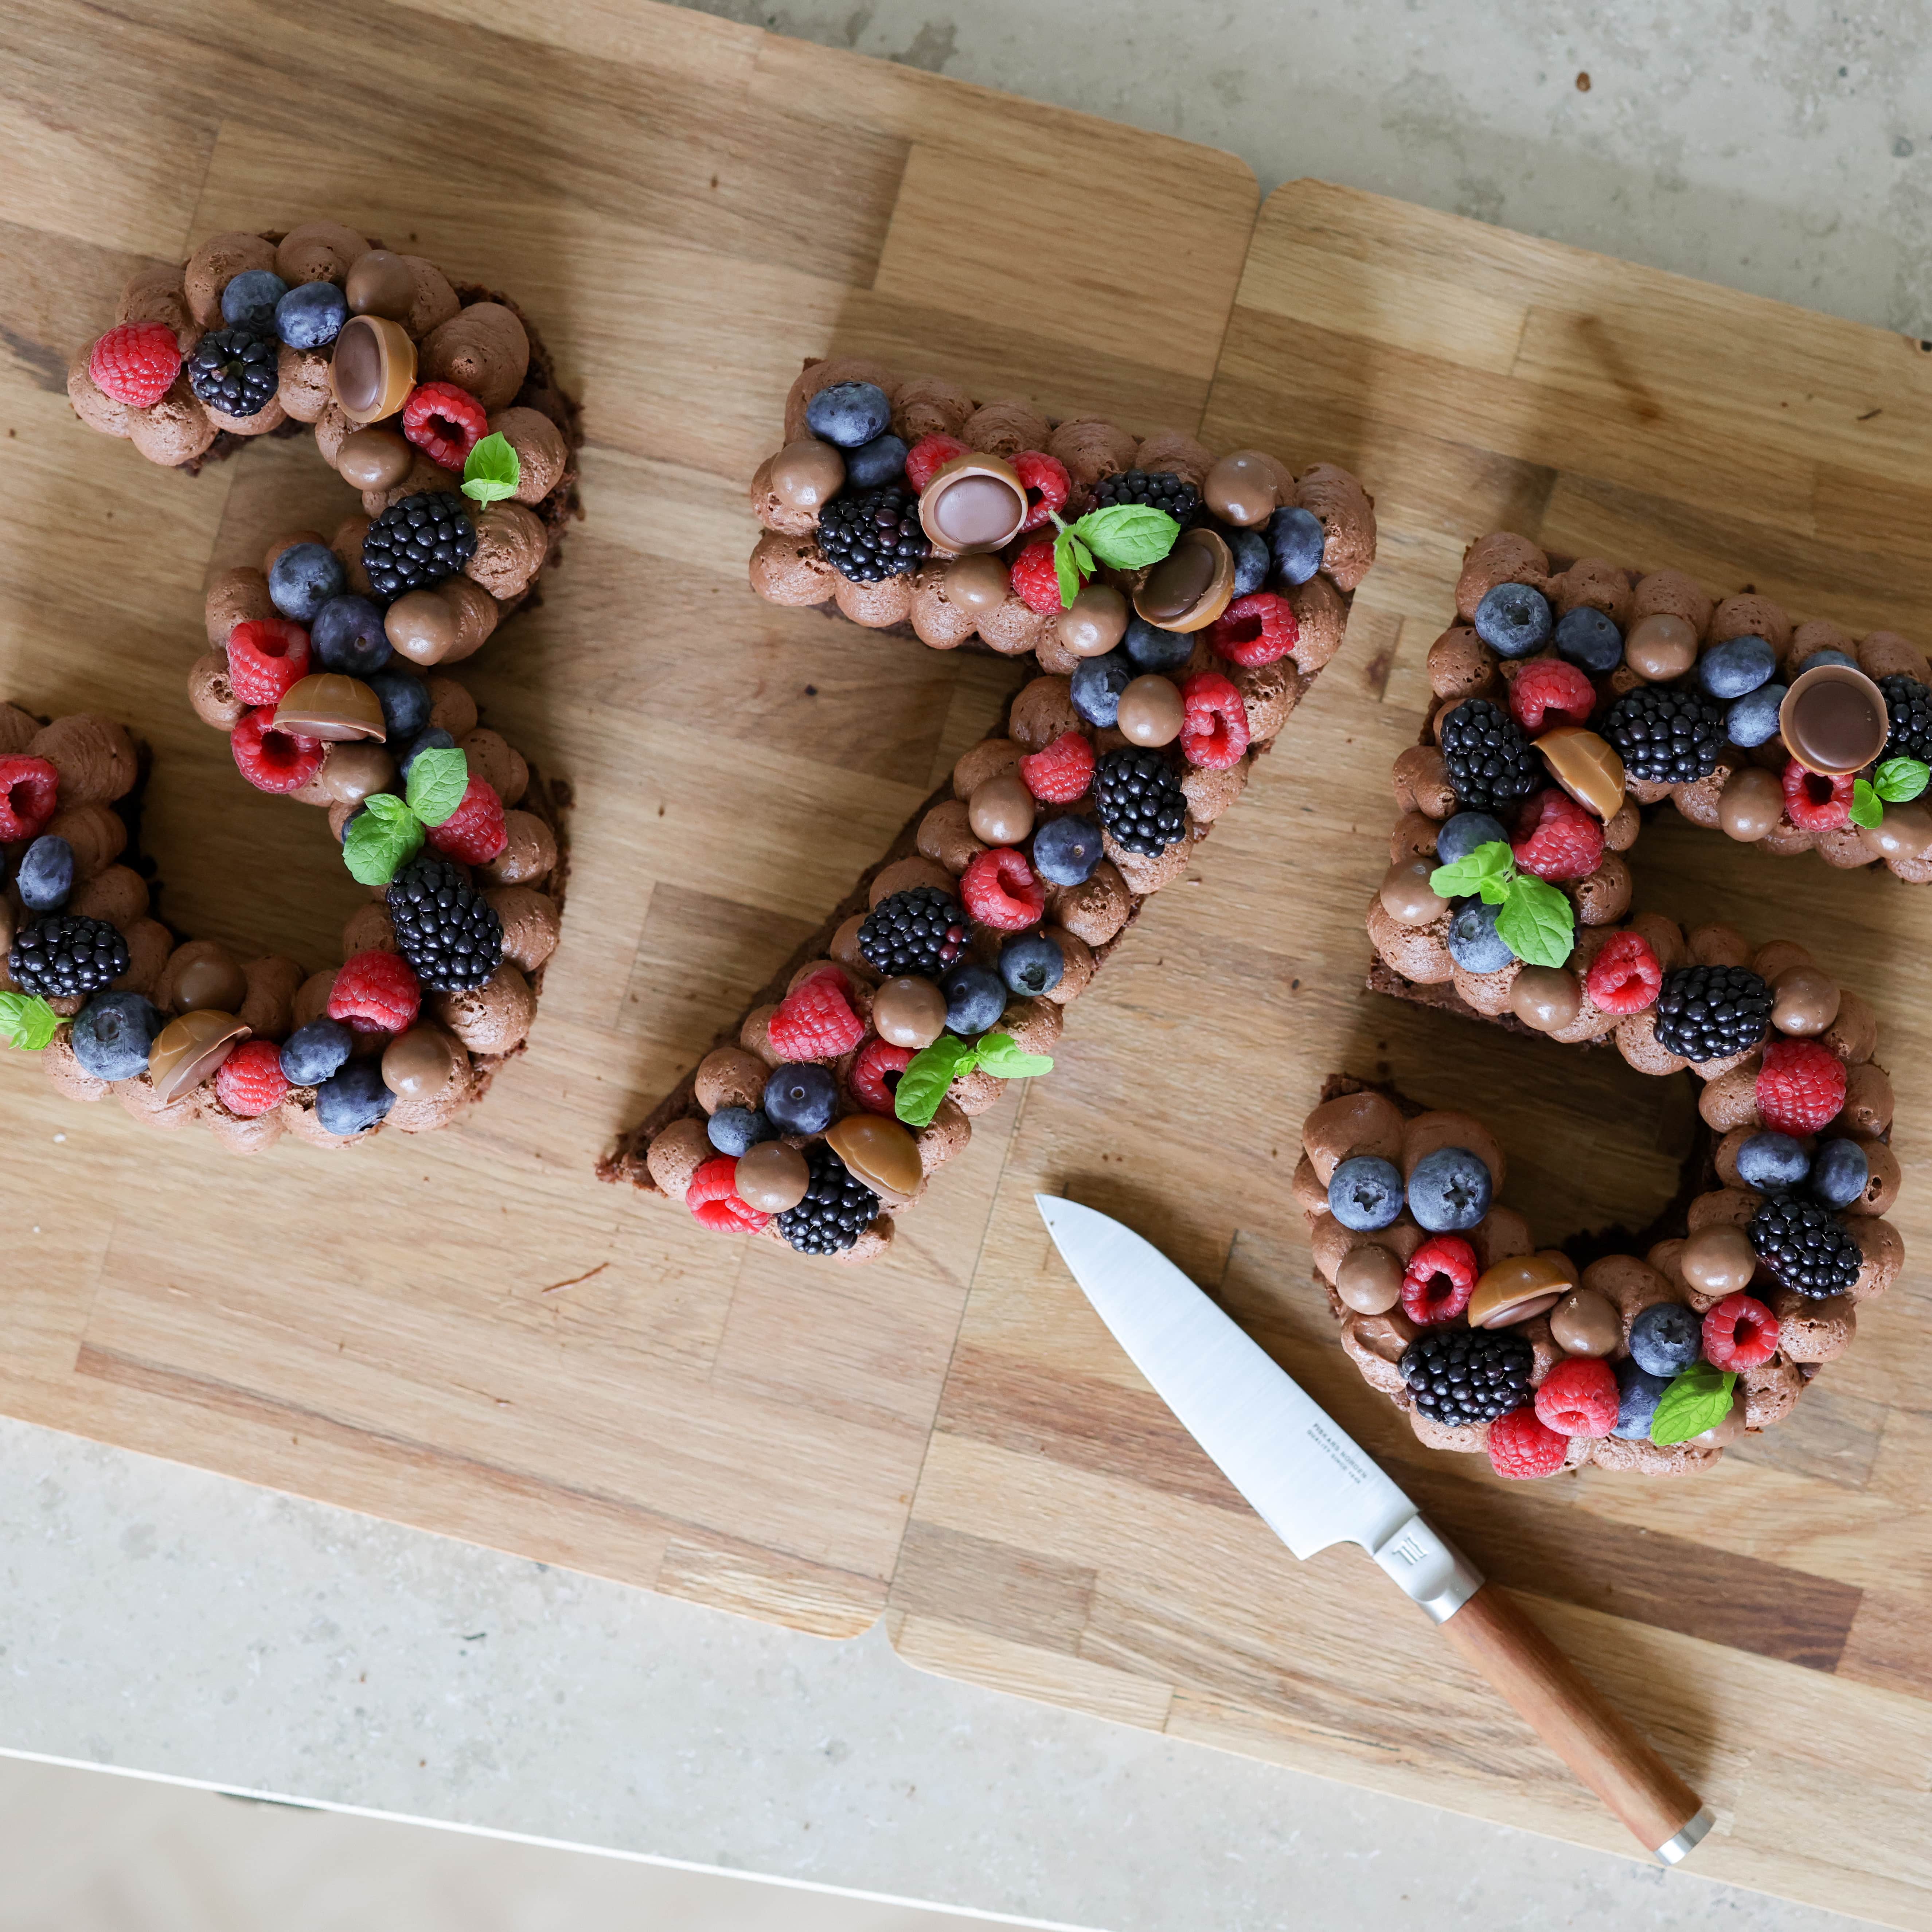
[(335, 709), (1833, 720), (1191, 586), (1522, 1286), (187, 1051), (373, 368), (880, 1152), (1586, 765), (975, 502)]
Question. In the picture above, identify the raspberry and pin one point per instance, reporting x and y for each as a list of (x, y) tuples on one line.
[(1214, 721), (999, 890), (1579, 1397), (1551, 691), (1047, 485), (1522, 1446), (1815, 801), (1062, 772), (136, 364), (1256, 629), (445, 422), (926, 455), (815, 1020), (375, 992), (250, 1080), (1801, 1087), (29, 795), (1035, 582), (1626, 977), (267, 657), (1739, 1332), (712, 1198), (877, 1058), (1439, 1281), (1564, 841), (270, 760), (474, 832)]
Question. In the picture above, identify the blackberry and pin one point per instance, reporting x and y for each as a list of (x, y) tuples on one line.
[(423, 540), (836, 1209), (1459, 1376), (874, 535), (63, 954), (1158, 489), (1710, 1013), (1908, 703), (1490, 760), (1139, 800), (234, 370), (1665, 736), (446, 928), (1806, 1245), (921, 931)]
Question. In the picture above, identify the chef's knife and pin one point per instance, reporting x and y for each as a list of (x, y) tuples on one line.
[(1311, 1484)]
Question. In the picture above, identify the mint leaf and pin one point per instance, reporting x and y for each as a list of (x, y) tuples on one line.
[(1865, 808), (929, 1072), (492, 469), (1000, 1055), (381, 840), (1536, 923), (1900, 781), (1698, 1399), (1066, 568), (438, 779), (387, 808), (1467, 876), (27, 1021), (1129, 536)]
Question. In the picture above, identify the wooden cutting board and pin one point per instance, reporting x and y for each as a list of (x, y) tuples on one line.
[(1765, 1624), (466, 1332)]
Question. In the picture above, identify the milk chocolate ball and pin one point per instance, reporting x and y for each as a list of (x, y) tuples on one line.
[(910, 1011), (380, 283), (1240, 489), (1369, 1280), (374, 459), (1151, 711), (977, 583), (1718, 1259), (356, 768), (1407, 896), (1094, 623), (1904, 832), (771, 1177), (213, 980), (807, 475), (1585, 1323), (1000, 812), (1750, 804), (422, 1064), (1545, 997), (422, 626), (1660, 647), (1804, 1001), (1722, 1433)]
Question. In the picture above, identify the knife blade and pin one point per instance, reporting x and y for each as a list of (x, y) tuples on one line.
[(1313, 1485)]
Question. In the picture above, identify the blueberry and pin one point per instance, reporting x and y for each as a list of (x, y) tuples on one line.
[(1252, 559), (1066, 850), (249, 300), (1295, 537), (112, 1034), (1752, 720), (1098, 683), (1150, 648), (733, 1129), (1473, 942), (354, 1100), (976, 996), (1588, 638), (432, 738), (878, 463), (1449, 1189), (1841, 1172), (1030, 964), (404, 698), (1513, 619), (1365, 1192), (342, 837), (1666, 1338), (801, 1097), (311, 316), (45, 876), (346, 634), (304, 578), (1736, 667), (850, 414), (1772, 1163), (312, 1053), (1458, 837), (1638, 1393), (1827, 658)]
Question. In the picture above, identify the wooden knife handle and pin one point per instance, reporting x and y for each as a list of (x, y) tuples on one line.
[(1569, 1716)]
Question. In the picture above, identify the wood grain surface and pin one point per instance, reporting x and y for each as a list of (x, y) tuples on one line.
[(1763, 1624), (467, 1332)]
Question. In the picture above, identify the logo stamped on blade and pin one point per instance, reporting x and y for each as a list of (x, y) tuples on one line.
[(1341, 1453)]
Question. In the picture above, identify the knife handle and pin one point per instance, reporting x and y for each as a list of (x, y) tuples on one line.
[(1567, 1713)]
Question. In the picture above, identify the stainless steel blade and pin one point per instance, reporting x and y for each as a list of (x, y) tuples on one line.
[(1306, 1478)]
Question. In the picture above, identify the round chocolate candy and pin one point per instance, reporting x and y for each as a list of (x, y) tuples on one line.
[(1001, 810), (380, 283), (807, 475), (1586, 1323), (422, 626), (1545, 998), (422, 1064), (1660, 647), (1240, 489), (373, 368), (356, 769), (1726, 1431), (771, 1177), (213, 980), (978, 583), (1751, 804), (1904, 833), (1408, 897), (1094, 623), (329, 705), (1718, 1259), (1370, 1279), (1191, 586), (1150, 712), (374, 459), (1520, 1287), (1804, 1001), (975, 502), (909, 1012), (880, 1152), (187, 1051)]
